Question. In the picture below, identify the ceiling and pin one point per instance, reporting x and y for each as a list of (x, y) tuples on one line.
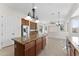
[(44, 11)]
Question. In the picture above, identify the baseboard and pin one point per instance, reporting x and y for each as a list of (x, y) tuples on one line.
[(7, 46), (57, 37)]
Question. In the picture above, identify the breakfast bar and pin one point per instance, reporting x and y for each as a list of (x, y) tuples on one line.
[(30, 47)]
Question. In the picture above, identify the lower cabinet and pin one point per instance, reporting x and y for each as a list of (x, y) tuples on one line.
[(31, 48), (19, 49), (76, 53), (71, 50), (68, 47), (38, 46), (25, 50), (43, 42)]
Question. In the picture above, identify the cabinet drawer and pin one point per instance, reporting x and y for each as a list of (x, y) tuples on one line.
[(29, 45)]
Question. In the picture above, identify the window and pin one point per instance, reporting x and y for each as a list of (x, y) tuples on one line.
[(75, 26), (75, 23)]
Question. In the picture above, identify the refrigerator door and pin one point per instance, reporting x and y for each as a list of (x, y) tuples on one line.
[(25, 31)]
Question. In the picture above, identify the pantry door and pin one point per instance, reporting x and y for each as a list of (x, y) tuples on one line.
[(6, 37), (2, 31), (7, 31), (10, 28)]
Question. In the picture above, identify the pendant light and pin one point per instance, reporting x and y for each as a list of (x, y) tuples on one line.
[(34, 10), (34, 13)]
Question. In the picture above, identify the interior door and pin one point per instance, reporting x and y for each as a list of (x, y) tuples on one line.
[(10, 29), (5, 40), (1, 33)]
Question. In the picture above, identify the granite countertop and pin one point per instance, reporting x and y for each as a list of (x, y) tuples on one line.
[(23, 40), (75, 41)]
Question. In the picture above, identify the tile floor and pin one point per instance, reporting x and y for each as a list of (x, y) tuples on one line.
[(54, 47)]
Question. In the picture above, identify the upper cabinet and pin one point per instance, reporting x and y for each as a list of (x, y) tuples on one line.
[(32, 28), (24, 22), (28, 28), (33, 25)]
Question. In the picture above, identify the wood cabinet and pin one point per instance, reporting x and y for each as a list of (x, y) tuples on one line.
[(27, 49), (19, 49), (25, 22), (38, 46), (33, 25), (43, 42), (68, 47), (31, 48), (71, 50), (35, 44), (76, 53)]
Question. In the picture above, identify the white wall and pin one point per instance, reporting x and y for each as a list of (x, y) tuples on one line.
[(54, 32), (53, 28), (10, 21)]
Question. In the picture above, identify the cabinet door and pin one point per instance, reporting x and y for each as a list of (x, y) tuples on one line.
[(33, 25), (76, 53), (30, 49), (68, 47), (38, 46), (44, 42), (19, 49), (72, 50)]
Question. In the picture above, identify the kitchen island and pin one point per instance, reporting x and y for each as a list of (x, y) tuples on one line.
[(29, 46), (32, 40)]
